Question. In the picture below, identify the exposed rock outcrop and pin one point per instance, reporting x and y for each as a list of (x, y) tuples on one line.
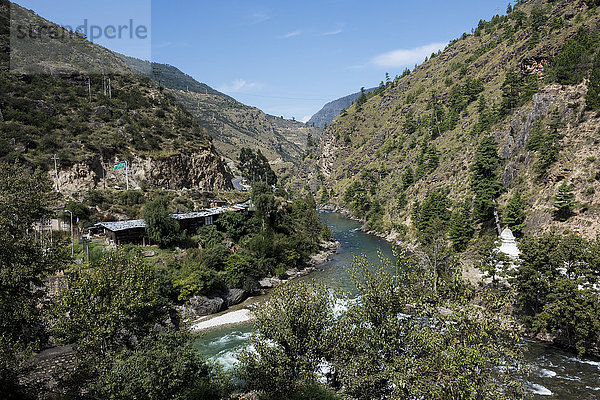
[(200, 169), (234, 296), (202, 305)]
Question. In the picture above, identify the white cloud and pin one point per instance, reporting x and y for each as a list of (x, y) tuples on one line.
[(291, 34), (334, 32), (240, 86), (405, 57), (306, 118)]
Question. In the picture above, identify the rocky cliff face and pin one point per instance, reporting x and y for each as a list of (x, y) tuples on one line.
[(200, 169), (500, 81)]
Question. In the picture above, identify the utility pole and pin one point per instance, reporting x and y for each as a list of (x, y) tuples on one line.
[(102, 167), (127, 174), (157, 72), (72, 250), (90, 88), (109, 89), (56, 172)]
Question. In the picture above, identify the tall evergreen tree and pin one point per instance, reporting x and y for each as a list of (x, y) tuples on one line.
[(592, 97), (256, 167), (514, 214), (408, 178), (484, 179), (461, 227), (511, 89), (564, 202), (433, 215)]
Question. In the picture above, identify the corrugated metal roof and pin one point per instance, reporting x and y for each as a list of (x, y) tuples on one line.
[(199, 214), (117, 226)]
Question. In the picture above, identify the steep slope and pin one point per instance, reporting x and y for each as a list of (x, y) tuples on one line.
[(170, 77), (525, 79), (231, 124), (54, 100), (325, 115)]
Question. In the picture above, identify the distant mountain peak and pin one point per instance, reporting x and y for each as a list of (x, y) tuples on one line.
[(332, 109)]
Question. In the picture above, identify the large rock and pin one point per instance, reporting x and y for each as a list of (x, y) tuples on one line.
[(203, 305), (269, 283), (148, 253), (234, 296)]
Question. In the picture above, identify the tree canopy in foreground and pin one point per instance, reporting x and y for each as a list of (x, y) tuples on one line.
[(395, 338)]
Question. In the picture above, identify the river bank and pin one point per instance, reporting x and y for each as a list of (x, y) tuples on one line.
[(555, 373), (241, 312)]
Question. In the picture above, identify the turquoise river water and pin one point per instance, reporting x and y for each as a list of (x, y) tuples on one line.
[(555, 374)]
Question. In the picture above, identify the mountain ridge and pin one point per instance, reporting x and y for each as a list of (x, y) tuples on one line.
[(69, 97), (325, 115), (420, 134), (231, 124)]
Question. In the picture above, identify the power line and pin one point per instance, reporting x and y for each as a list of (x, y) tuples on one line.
[(279, 97)]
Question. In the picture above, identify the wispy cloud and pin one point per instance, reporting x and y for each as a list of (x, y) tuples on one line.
[(291, 34), (258, 17), (240, 86), (306, 118), (404, 57), (333, 32)]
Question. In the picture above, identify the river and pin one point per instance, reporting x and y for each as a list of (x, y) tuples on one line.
[(554, 373)]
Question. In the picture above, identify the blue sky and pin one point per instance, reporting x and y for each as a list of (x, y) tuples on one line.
[(287, 58)]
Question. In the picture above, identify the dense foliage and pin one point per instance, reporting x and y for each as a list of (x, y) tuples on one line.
[(555, 289), (161, 227), (254, 166), (241, 249), (378, 346), (24, 262), (484, 179)]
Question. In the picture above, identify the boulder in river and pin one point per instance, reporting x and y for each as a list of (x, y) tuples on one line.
[(234, 296), (203, 305)]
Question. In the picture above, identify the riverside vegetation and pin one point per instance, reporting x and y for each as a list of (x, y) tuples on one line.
[(118, 310), (498, 129), (118, 313)]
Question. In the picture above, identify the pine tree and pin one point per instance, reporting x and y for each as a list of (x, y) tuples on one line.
[(461, 227), (514, 214), (564, 202), (410, 125), (362, 99), (592, 97), (324, 196), (408, 178), (511, 89), (484, 181)]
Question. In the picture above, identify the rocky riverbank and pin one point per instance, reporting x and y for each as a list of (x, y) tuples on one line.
[(200, 308)]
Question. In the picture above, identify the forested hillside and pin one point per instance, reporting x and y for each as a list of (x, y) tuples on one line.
[(55, 99), (503, 122)]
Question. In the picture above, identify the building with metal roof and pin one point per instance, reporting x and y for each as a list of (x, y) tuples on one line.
[(134, 231)]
